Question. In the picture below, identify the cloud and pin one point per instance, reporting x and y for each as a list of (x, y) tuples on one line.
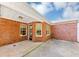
[(76, 14), (59, 5), (71, 11), (72, 4), (42, 8), (68, 13)]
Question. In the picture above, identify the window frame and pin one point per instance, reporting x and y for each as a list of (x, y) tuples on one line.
[(48, 29), (37, 30), (23, 25)]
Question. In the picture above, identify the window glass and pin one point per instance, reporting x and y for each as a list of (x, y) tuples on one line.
[(38, 29), (23, 29)]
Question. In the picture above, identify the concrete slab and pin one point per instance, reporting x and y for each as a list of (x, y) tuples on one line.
[(56, 48), (18, 49)]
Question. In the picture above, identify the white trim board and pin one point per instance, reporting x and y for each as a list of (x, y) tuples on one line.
[(78, 32)]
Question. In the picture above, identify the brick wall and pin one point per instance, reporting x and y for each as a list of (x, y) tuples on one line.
[(65, 31), (44, 36), (9, 31)]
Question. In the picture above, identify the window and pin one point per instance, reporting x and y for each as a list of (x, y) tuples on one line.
[(23, 29), (30, 29), (38, 29), (47, 29)]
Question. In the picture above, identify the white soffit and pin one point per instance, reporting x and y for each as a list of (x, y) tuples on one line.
[(63, 20), (24, 8)]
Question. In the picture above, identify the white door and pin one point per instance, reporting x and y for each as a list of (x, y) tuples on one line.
[(78, 32)]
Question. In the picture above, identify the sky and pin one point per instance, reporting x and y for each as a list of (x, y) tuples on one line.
[(57, 10)]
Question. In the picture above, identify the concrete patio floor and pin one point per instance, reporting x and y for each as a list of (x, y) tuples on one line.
[(18, 49), (51, 48), (56, 48)]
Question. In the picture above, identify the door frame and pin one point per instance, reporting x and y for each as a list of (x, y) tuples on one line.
[(77, 32), (28, 31)]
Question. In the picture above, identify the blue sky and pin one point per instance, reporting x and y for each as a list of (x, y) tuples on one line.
[(57, 10)]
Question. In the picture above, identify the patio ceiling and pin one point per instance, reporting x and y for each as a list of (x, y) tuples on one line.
[(25, 9)]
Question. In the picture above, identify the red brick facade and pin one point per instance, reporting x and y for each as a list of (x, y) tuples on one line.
[(44, 37), (9, 31), (65, 31)]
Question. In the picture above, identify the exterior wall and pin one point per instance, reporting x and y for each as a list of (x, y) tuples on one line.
[(65, 31), (10, 31), (10, 25), (34, 36), (44, 37)]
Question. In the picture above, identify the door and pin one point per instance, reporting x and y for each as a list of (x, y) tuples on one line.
[(30, 32), (78, 32)]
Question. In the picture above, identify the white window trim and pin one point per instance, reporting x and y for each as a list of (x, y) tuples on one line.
[(41, 31), (49, 31), (20, 30)]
